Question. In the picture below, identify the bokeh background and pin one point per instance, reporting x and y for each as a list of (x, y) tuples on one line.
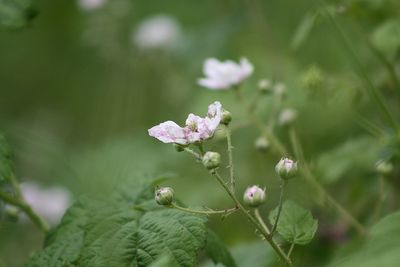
[(79, 88)]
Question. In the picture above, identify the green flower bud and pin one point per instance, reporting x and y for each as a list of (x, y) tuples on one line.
[(262, 144), (226, 117), (254, 196), (384, 167), (211, 160), (164, 196), (286, 168)]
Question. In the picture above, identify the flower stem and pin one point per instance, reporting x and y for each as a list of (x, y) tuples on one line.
[(205, 212), (253, 220), (283, 184), (20, 203), (291, 249), (230, 156), (193, 153), (306, 172), (261, 221)]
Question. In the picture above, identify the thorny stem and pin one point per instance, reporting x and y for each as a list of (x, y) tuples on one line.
[(283, 184), (230, 156), (205, 212), (253, 220), (261, 221), (21, 204), (306, 172)]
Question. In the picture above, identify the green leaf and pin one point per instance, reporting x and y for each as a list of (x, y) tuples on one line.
[(6, 167), (116, 233), (303, 30), (381, 248), (255, 254), (217, 251), (296, 224), (347, 159), (16, 14), (386, 37)]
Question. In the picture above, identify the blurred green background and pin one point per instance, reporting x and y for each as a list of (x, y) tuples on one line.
[(78, 95)]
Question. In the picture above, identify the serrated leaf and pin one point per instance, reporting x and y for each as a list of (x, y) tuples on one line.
[(15, 14), (115, 233), (296, 224), (303, 30), (217, 250), (381, 248), (386, 37)]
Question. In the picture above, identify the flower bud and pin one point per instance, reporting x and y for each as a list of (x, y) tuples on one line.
[(262, 144), (280, 89), (287, 116), (265, 86), (164, 196), (384, 167), (286, 168), (226, 117), (254, 196), (211, 160)]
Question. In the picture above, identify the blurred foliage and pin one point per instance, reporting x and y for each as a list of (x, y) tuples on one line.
[(78, 97)]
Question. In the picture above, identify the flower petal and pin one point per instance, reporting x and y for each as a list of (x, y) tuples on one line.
[(169, 132)]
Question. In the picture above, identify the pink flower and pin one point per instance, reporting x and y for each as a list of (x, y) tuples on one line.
[(224, 75), (196, 129)]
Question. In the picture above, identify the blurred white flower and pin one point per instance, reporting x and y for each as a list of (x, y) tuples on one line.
[(279, 89), (287, 116), (50, 203), (90, 4), (160, 31), (222, 75)]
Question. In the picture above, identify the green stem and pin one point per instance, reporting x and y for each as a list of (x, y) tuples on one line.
[(205, 212), (374, 92), (261, 221), (230, 156), (254, 221), (264, 129), (193, 153), (306, 172), (291, 249), (22, 205), (283, 184)]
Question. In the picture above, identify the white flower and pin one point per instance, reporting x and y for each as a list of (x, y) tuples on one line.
[(50, 203), (91, 4), (196, 129), (160, 31), (224, 75)]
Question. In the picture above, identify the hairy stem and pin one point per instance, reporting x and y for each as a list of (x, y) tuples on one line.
[(253, 220), (283, 184), (22, 205), (230, 156), (193, 153), (205, 212)]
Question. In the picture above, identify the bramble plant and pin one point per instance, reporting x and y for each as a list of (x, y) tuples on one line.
[(314, 195)]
